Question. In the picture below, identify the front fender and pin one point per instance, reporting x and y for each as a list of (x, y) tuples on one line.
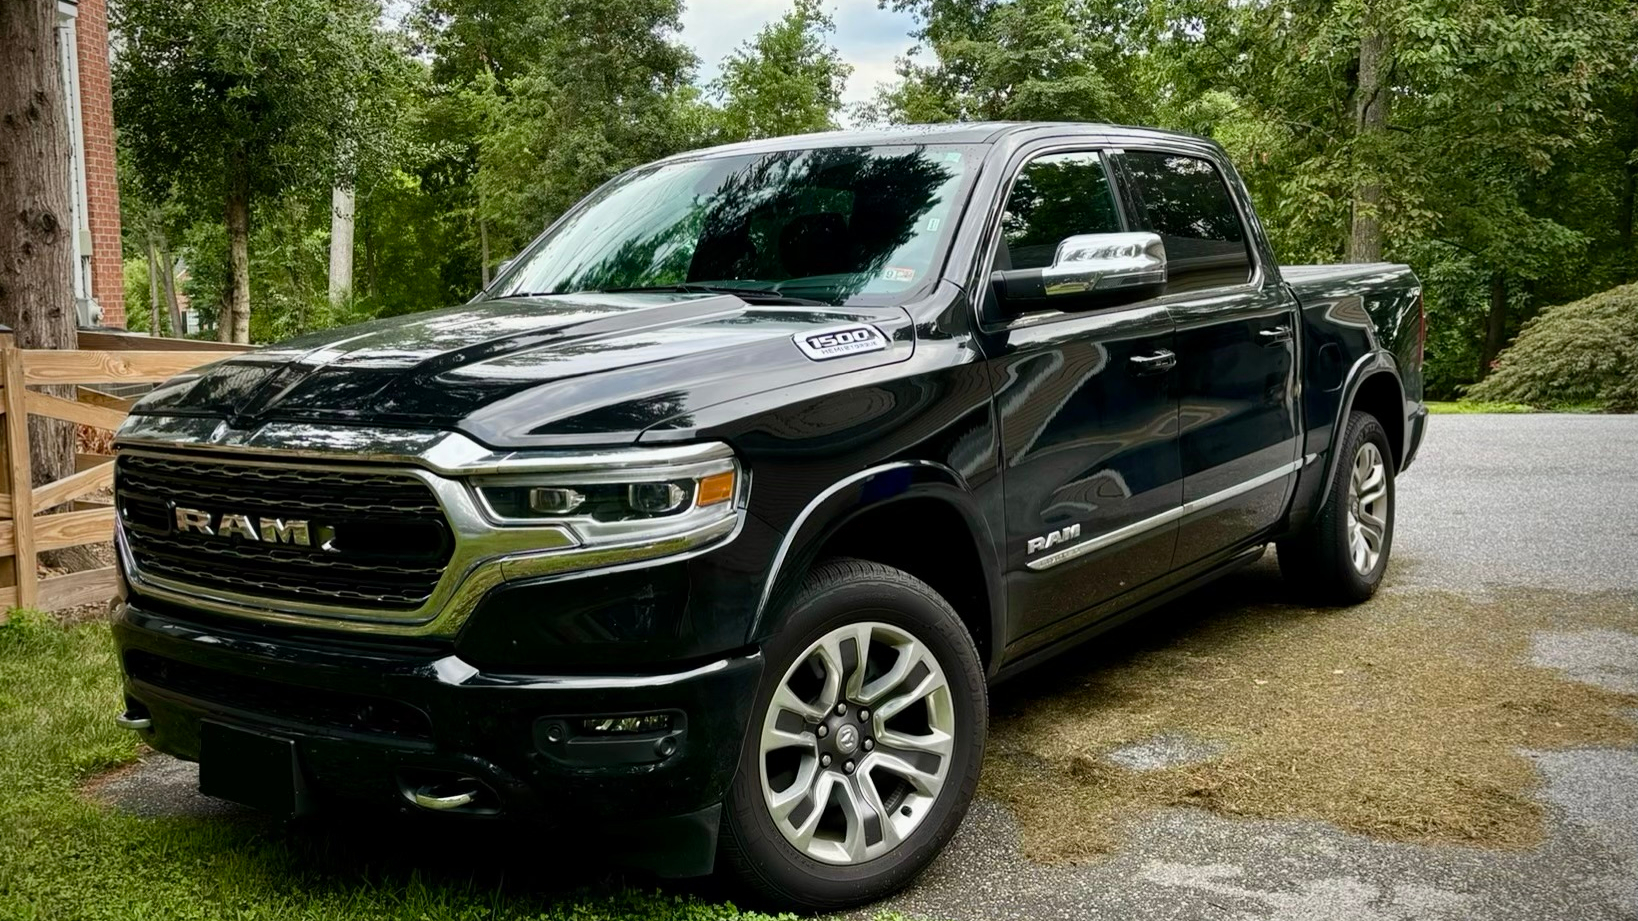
[(868, 490)]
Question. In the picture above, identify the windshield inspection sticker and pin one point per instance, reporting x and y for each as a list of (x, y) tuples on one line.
[(898, 273), (840, 341)]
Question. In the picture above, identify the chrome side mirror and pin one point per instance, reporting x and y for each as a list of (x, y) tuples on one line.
[(1093, 269)]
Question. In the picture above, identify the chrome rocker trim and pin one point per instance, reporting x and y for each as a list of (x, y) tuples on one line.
[(1164, 518)]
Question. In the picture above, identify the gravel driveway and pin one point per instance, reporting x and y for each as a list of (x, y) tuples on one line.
[(1493, 503)]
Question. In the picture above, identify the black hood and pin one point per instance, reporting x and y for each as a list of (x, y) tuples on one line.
[(584, 368)]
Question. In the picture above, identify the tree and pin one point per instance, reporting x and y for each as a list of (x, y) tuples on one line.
[(36, 258), (233, 100), (608, 90), (1055, 60), (786, 80)]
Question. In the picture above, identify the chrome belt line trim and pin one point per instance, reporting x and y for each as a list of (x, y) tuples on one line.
[(1137, 528)]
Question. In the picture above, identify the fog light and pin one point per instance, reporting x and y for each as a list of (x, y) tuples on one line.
[(615, 725)]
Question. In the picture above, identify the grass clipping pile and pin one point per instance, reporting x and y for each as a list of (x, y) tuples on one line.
[(1404, 718)]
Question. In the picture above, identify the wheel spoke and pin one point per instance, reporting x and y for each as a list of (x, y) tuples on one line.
[(1372, 535), (786, 699), (774, 738), (781, 804), (873, 797), (848, 648), (934, 743), (909, 654), (802, 835), (930, 682), (927, 783), (856, 811), (830, 658)]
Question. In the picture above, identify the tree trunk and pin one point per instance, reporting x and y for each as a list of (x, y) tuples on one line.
[(341, 245), (236, 322), (154, 329), (168, 279), (368, 227), (1629, 201), (1371, 99), (1495, 324), (483, 249), (36, 250)]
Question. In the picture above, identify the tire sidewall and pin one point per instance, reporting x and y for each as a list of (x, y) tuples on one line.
[(910, 605)]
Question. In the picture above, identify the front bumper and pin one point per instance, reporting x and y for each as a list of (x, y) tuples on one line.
[(371, 724)]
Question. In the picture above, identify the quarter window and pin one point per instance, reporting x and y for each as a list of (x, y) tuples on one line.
[(1187, 203), (1055, 196)]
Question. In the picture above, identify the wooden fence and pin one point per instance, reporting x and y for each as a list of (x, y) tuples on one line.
[(73, 517)]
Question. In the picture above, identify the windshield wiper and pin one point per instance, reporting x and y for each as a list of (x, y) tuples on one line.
[(761, 295)]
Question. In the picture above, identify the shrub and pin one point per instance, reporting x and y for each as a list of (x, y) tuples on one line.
[(1584, 352)]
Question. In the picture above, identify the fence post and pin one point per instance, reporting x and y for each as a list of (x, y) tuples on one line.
[(17, 473)]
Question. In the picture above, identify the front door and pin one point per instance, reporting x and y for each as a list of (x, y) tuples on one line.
[(1088, 416), (1236, 347)]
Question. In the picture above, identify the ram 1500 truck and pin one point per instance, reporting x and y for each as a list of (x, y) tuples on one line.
[(703, 529)]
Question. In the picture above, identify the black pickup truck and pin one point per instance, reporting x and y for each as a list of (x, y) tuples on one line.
[(703, 529)]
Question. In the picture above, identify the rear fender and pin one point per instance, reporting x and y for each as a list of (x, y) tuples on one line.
[(1322, 462)]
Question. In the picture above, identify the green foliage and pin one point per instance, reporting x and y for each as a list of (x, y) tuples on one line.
[(287, 85), (1509, 151), (1581, 352), (786, 80), (64, 856), (554, 132)]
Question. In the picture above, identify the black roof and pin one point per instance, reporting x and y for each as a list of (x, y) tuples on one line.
[(946, 133)]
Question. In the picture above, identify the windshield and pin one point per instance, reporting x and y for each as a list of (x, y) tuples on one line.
[(826, 224)]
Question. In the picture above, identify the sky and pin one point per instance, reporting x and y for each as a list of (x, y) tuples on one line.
[(868, 37)]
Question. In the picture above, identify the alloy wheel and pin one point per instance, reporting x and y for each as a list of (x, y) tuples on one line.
[(856, 743), (1367, 508)]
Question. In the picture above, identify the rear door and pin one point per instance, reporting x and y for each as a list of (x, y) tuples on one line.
[(1236, 345), (1089, 436)]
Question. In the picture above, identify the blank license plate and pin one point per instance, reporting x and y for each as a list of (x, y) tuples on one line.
[(252, 769)]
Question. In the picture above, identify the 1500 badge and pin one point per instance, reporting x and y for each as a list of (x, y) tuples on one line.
[(839, 341)]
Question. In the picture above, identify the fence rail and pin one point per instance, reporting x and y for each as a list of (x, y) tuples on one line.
[(59, 514)]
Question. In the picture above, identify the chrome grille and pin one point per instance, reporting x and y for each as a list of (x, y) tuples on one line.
[(390, 545)]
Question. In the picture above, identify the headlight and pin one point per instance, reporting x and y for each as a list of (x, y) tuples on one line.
[(619, 495)]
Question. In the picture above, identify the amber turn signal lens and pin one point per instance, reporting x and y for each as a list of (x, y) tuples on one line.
[(718, 487)]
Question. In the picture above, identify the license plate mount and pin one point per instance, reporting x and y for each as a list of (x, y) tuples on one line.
[(252, 769)]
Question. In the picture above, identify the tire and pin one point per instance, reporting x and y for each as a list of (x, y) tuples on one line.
[(912, 634), (1324, 562)]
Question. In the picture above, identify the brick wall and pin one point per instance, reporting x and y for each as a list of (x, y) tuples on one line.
[(101, 186)]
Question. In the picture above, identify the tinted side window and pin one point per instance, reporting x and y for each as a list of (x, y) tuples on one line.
[(1186, 202), (1055, 196)]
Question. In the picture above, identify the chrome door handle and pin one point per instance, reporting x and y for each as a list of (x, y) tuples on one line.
[(427, 800), (1274, 334), (1161, 361)]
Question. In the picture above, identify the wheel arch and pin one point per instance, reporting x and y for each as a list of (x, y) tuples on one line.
[(1374, 387), (916, 516)]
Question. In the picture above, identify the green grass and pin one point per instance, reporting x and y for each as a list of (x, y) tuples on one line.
[(1474, 407), (1467, 407), (63, 856)]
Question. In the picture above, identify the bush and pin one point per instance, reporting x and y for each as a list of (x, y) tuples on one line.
[(1584, 352)]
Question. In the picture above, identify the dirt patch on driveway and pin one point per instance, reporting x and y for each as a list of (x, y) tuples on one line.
[(1406, 718)]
